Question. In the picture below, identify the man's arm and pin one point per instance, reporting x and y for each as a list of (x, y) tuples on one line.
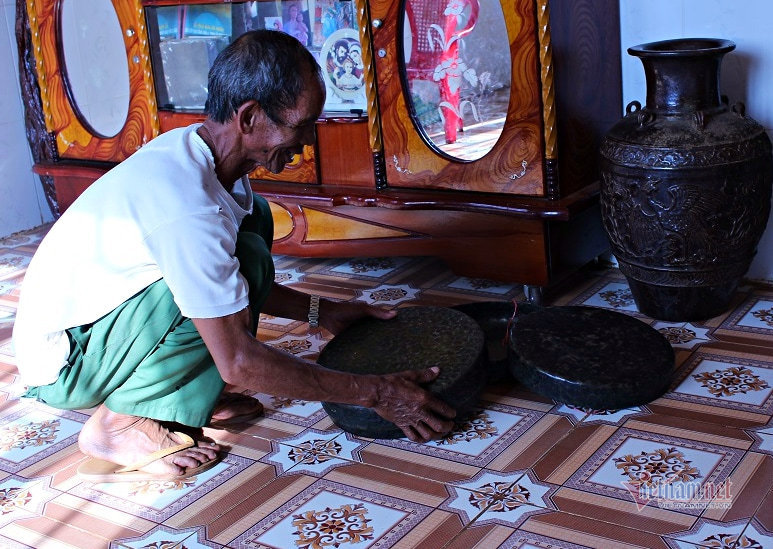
[(286, 302), (244, 361)]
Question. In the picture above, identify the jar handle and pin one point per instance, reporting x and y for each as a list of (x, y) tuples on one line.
[(632, 107)]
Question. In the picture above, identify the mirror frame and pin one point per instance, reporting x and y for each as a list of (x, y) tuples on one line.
[(521, 161), (73, 139)]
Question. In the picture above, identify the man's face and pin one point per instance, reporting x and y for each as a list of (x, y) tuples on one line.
[(273, 143)]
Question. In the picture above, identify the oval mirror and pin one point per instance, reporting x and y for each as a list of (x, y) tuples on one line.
[(457, 73), (95, 66)]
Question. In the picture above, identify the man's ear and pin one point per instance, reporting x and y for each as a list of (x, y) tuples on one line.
[(247, 115)]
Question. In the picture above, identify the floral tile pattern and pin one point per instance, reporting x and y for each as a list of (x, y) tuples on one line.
[(389, 294), (504, 498), (30, 435), (726, 381), (644, 467), (164, 536), (301, 345), (21, 498), (482, 286), (706, 533), (757, 316), (611, 295), (331, 514), (369, 267), (312, 452), (612, 417), (521, 471), (683, 335), (299, 412), (479, 438)]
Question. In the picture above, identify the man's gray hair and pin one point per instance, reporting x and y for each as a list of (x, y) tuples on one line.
[(266, 66)]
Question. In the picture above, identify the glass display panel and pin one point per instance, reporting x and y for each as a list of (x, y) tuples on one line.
[(185, 39), (458, 73), (96, 69)]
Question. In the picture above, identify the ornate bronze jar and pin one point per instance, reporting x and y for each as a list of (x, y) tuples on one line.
[(686, 184)]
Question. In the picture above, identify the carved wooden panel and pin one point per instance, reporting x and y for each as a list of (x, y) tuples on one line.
[(515, 164), (73, 139)]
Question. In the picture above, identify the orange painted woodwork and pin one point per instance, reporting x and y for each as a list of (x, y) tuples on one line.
[(74, 138), (343, 143)]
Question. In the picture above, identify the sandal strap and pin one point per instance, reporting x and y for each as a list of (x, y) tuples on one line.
[(188, 442)]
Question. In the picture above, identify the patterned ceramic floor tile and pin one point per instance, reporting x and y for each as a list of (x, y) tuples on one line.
[(581, 531), (747, 489), (304, 345), (527, 540), (368, 268), (423, 466), (614, 295), (12, 263), (29, 434), (312, 452), (683, 335), (751, 322), (707, 533), (298, 412), (763, 438), (646, 467), (22, 498), (68, 521), (484, 288), (479, 438), (502, 498), (386, 295), (319, 513), (726, 380), (611, 417), (755, 536), (164, 536), (160, 500), (551, 473), (534, 444), (11, 385), (287, 276)]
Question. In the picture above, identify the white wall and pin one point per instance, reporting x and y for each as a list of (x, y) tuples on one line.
[(747, 72), (22, 202), (747, 76)]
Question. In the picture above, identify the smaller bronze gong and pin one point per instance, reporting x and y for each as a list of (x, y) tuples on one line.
[(417, 338), (590, 358), (495, 319)]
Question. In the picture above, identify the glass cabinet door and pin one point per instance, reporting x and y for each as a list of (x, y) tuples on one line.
[(185, 39), (460, 94)]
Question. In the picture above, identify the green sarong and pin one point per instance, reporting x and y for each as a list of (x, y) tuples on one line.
[(145, 359)]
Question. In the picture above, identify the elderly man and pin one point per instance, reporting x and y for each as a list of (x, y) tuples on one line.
[(143, 299)]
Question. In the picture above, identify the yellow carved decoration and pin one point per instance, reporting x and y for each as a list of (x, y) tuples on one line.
[(283, 221), (323, 226), (547, 78)]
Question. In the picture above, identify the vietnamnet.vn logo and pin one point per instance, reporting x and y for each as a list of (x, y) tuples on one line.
[(673, 493)]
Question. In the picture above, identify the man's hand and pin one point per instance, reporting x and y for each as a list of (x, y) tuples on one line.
[(335, 316), (419, 414)]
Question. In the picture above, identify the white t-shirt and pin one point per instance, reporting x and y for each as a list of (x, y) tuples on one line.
[(161, 213)]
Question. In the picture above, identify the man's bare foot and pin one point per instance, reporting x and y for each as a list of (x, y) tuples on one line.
[(234, 408), (126, 440)]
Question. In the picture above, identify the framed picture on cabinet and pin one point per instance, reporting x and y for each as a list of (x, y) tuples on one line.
[(207, 20), (330, 16)]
